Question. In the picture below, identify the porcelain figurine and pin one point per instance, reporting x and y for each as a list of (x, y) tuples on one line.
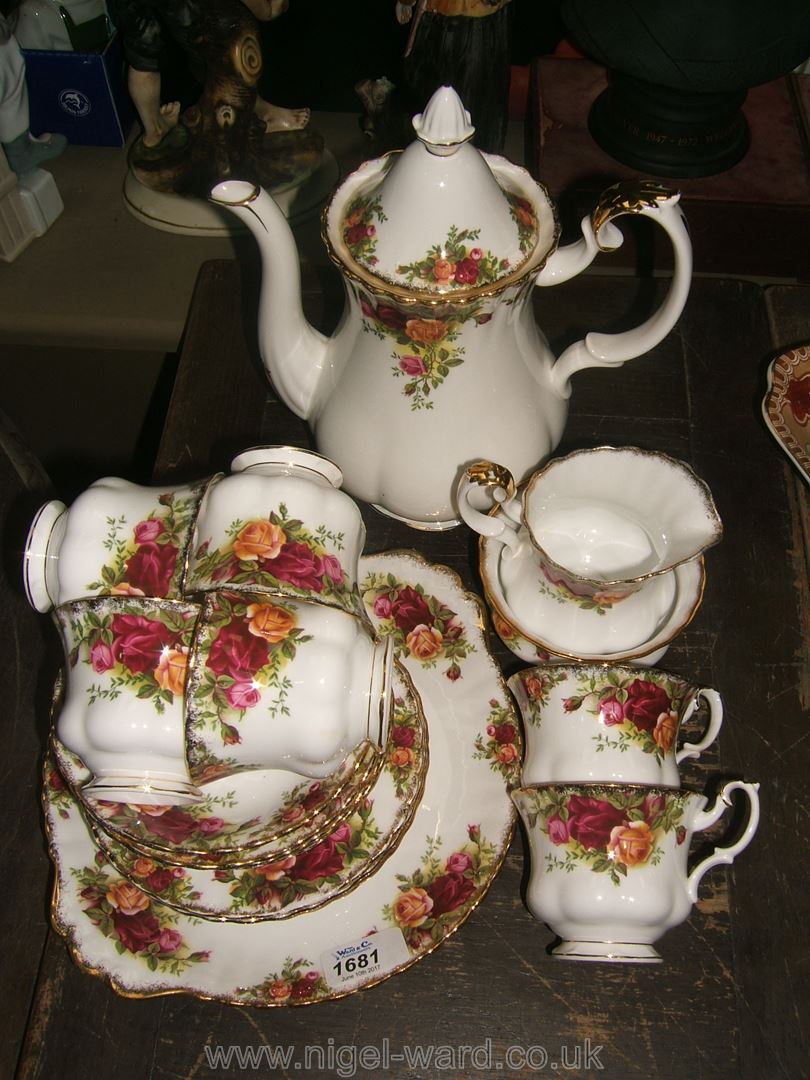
[(230, 130), (437, 360)]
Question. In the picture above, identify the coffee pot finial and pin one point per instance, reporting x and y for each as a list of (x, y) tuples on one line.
[(445, 124)]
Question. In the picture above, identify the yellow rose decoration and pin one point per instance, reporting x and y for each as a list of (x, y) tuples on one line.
[(259, 540), (270, 622)]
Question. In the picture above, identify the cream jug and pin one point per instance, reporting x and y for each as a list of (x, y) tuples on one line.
[(437, 360)]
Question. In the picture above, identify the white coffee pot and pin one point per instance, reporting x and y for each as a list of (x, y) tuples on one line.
[(437, 359)]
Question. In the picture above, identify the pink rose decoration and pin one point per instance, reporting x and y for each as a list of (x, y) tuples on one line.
[(170, 941), (383, 608), (611, 712), (331, 568), (342, 835), (412, 365), (101, 657), (458, 862), (557, 830), (145, 531), (211, 825), (243, 695)]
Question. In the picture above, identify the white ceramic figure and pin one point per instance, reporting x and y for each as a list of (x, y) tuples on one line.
[(437, 359), (279, 523), (609, 862), (276, 683), (597, 723)]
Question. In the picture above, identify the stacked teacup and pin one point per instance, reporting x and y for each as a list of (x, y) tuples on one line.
[(595, 565), (211, 629)]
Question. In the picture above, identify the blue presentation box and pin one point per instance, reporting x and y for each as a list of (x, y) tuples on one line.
[(80, 95)]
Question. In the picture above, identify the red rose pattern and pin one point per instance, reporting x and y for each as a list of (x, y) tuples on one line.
[(138, 642), (590, 821), (645, 703), (298, 565), (151, 568), (237, 652)]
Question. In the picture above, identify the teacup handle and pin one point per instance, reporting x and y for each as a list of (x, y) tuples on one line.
[(651, 200), (482, 486), (704, 819), (695, 749)]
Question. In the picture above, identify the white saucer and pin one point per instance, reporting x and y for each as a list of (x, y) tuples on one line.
[(421, 894), (595, 627), (544, 642)]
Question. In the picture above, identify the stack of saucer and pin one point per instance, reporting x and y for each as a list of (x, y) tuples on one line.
[(601, 800)]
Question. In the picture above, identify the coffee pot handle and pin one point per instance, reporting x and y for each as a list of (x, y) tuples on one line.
[(704, 819), (600, 234), (483, 486), (715, 705)]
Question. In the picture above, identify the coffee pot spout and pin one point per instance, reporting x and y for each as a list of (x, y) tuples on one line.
[(293, 352)]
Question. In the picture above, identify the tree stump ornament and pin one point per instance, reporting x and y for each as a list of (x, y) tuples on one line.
[(220, 137)]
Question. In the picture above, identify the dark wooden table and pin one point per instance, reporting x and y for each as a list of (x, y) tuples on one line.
[(731, 998)]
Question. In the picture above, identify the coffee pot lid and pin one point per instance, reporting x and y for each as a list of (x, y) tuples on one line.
[(440, 217)]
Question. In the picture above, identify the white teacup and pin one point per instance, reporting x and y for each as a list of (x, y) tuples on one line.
[(277, 683), (117, 539), (608, 723), (609, 862), (127, 661), (280, 524), (597, 531)]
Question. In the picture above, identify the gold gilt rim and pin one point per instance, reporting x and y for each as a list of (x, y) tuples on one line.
[(395, 834), (382, 287), (240, 855)]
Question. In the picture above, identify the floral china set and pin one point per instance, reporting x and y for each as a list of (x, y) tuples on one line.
[(260, 722)]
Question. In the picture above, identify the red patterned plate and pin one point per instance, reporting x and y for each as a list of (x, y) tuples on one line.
[(786, 406)]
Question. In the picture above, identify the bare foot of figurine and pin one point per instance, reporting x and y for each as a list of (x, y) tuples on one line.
[(276, 118), (266, 10), (162, 124)]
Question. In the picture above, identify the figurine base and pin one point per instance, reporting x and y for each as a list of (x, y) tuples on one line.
[(198, 217)]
